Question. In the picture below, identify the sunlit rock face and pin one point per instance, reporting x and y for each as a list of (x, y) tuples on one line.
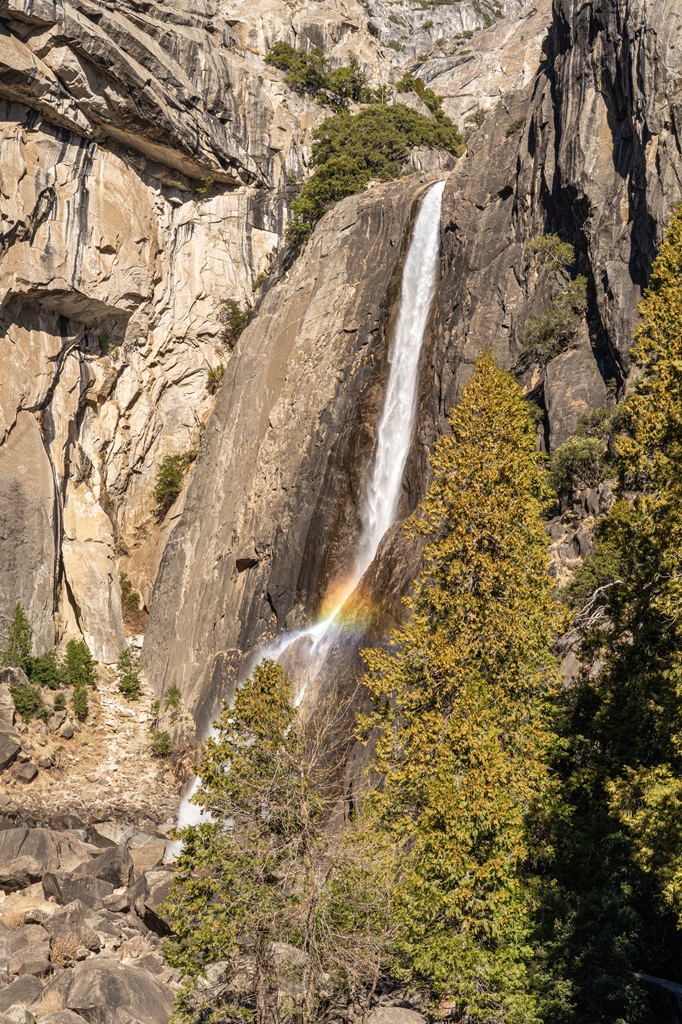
[(147, 161)]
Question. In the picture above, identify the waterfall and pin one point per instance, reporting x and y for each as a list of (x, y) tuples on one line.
[(394, 437), (396, 425)]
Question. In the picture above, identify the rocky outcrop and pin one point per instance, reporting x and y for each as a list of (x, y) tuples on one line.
[(77, 953)]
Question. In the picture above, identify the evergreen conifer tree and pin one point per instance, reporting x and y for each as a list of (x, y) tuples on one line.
[(614, 877), (269, 867), (463, 703), (16, 644)]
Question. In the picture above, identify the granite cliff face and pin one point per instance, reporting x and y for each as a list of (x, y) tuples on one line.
[(587, 147), (148, 158)]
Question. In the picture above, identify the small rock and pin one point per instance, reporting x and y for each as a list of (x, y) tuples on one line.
[(45, 761), (27, 745), (66, 731), (36, 915), (23, 757), (27, 773)]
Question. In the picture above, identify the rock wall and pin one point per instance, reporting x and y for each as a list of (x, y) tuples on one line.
[(147, 161), (588, 148), (273, 506)]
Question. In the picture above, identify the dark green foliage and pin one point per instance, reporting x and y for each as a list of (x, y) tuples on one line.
[(130, 599), (234, 320), (610, 902), (515, 126), (577, 464), (556, 329), (463, 697), (60, 702), (28, 700), (410, 83), (551, 251), (79, 665), (134, 617), (170, 478), (79, 701), (161, 745), (128, 668), (267, 868), (214, 376), (310, 73), (173, 700), (15, 650), (45, 671), (350, 150), (600, 569)]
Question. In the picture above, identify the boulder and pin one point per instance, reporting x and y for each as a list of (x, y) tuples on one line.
[(74, 922), (67, 730), (6, 702), (115, 865), (9, 748), (27, 772), (67, 886), (33, 959), (20, 1014), (25, 989), (147, 852), (106, 992), (27, 853), (395, 1015)]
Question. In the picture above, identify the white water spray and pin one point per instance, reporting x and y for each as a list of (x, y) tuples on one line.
[(394, 437)]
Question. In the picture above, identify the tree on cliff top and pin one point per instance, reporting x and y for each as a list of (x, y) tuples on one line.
[(265, 885), (463, 704)]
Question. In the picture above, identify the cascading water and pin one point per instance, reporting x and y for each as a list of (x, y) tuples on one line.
[(394, 437)]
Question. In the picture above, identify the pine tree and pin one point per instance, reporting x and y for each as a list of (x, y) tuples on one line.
[(640, 688), (16, 644), (615, 835), (269, 867), (128, 668), (79, 701), (78, 667), (463, 703)]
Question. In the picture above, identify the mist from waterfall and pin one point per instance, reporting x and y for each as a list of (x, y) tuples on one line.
[(394, 438)]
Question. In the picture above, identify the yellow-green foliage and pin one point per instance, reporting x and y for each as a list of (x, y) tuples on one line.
[(463, 700), (645, 644)]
